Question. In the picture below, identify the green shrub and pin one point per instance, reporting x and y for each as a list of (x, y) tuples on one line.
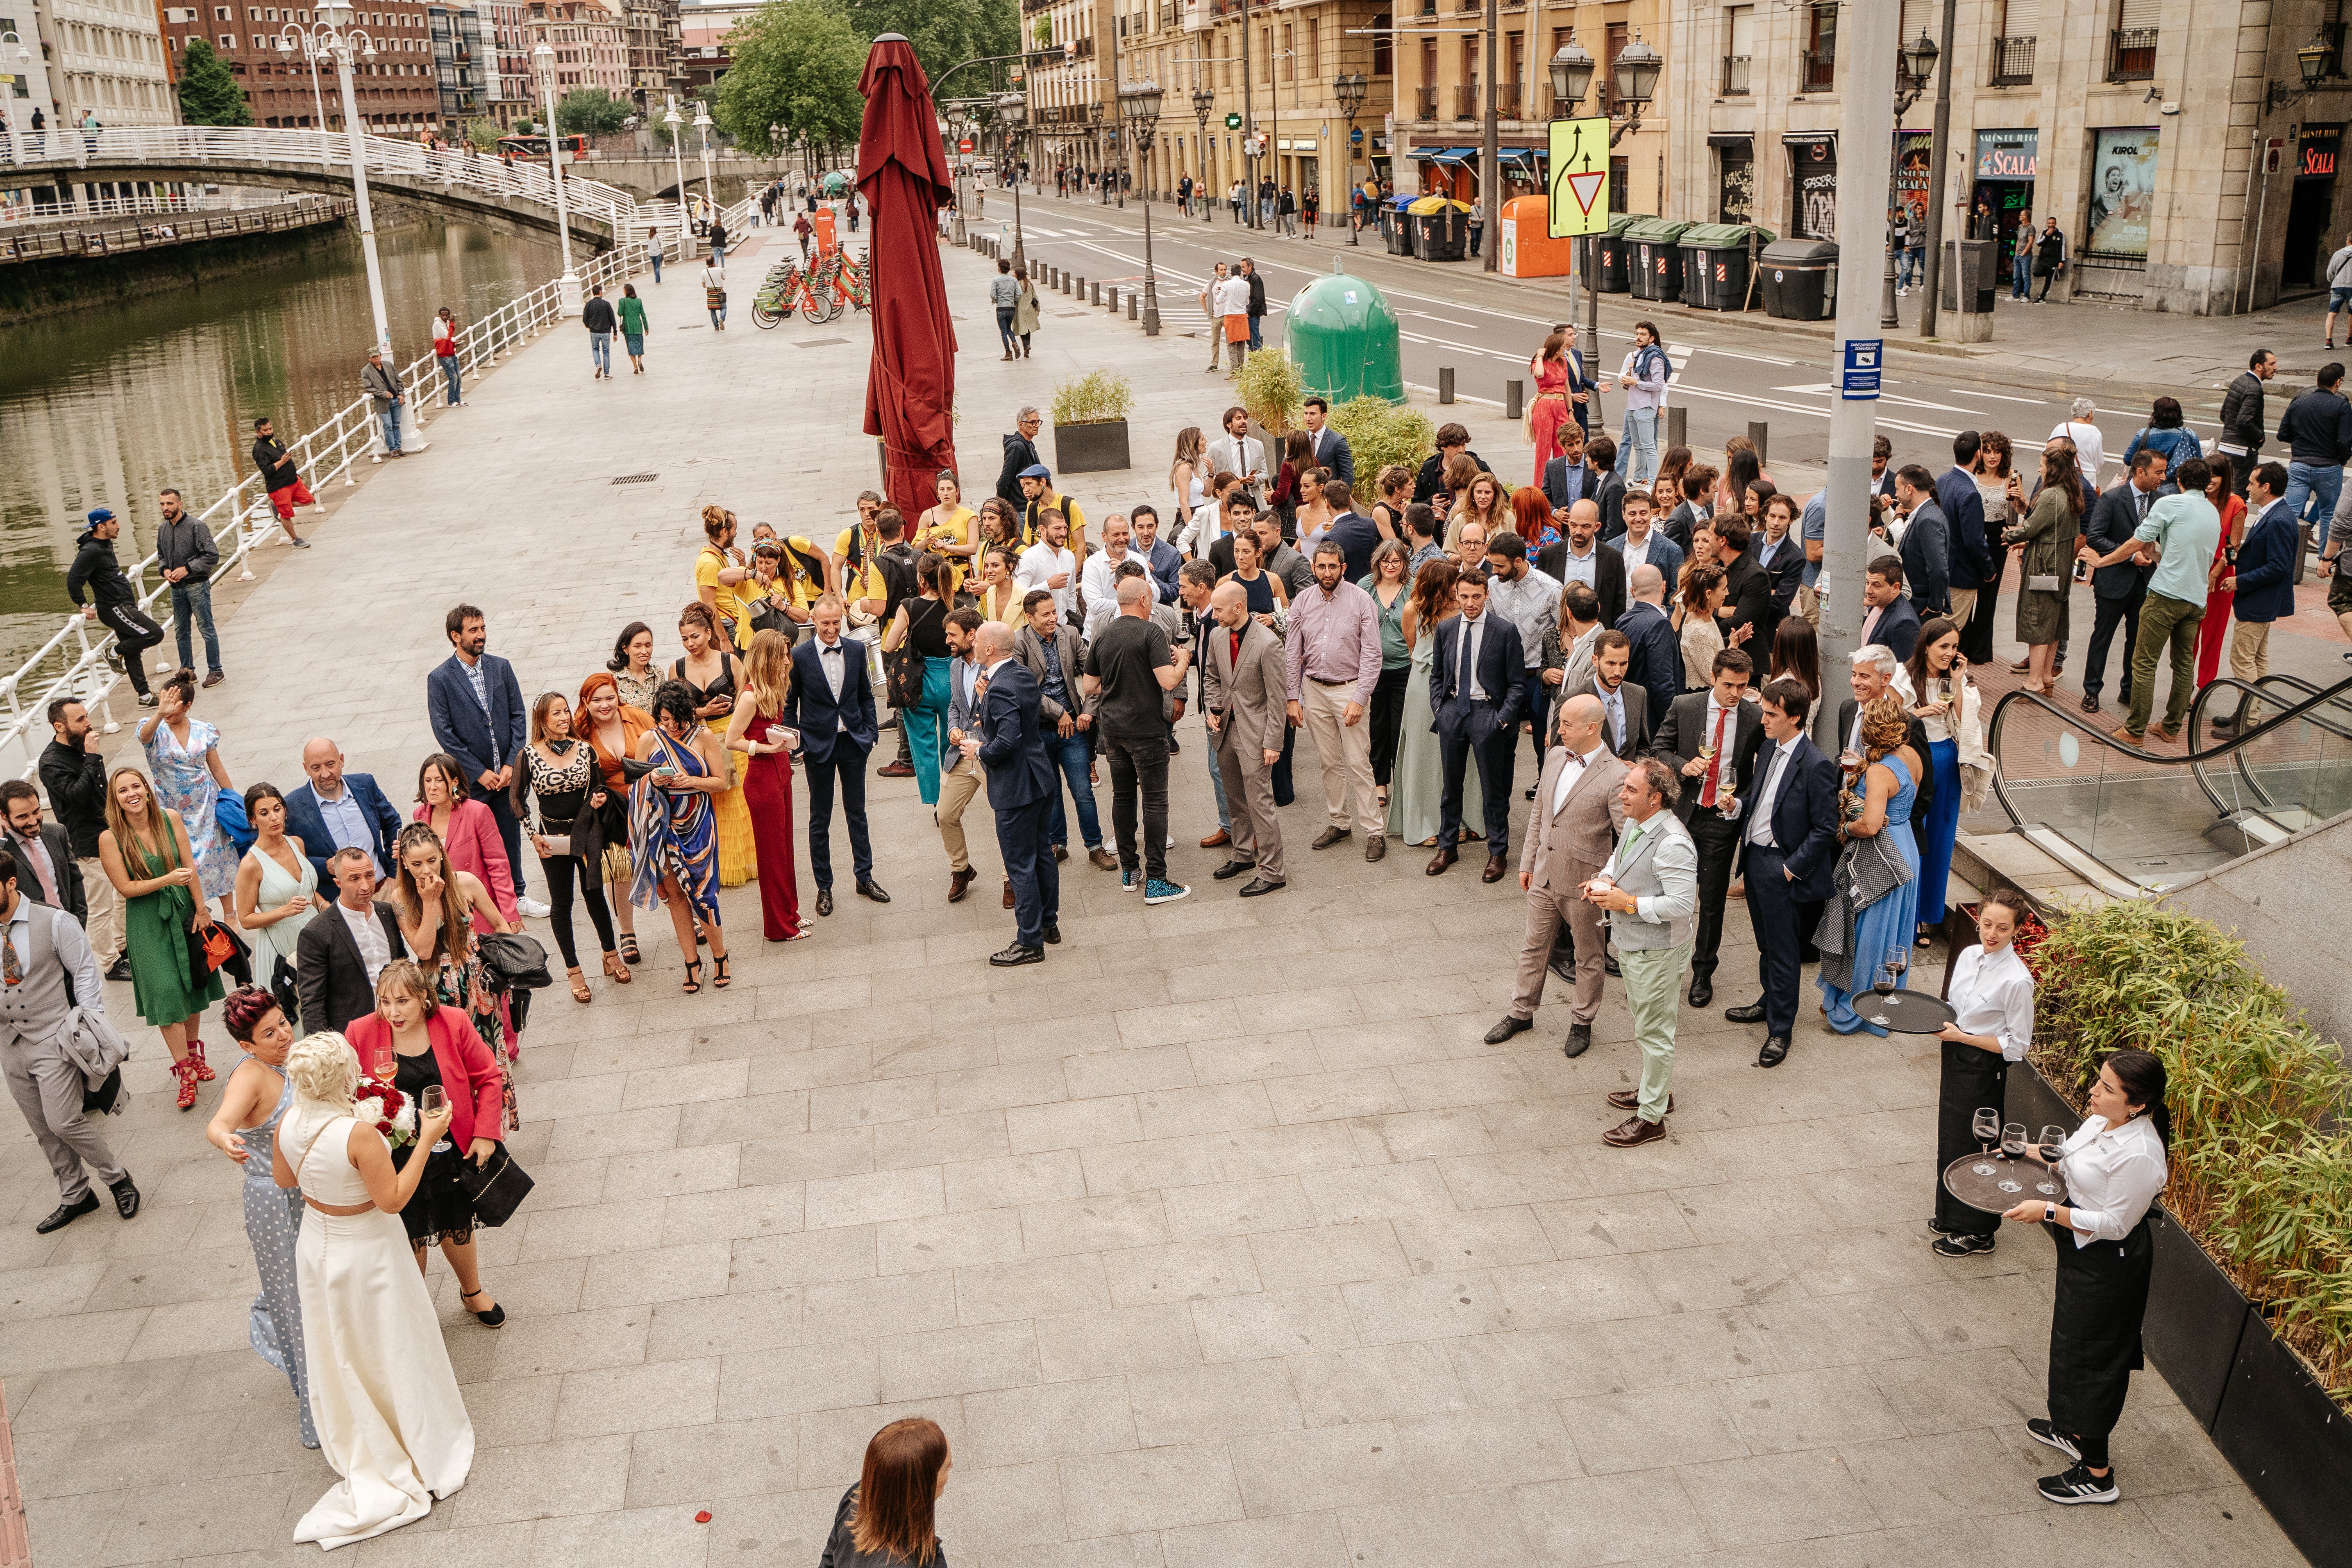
[(1095, 398), (1270, 387), (2260, 1169), (1379, 433)]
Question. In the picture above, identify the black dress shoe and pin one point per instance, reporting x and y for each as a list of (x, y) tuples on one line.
[(1016, 954), (120, 968), (65, 1213), (1609, 967), (1259, 887), (1053, 935), (126, 1197), (870, 889), (1231, 869), (1509, 1026), (1775, 1052), (1579, 1040), (1702, 990), (1563, 964), (825, 901), (1752, 1014)]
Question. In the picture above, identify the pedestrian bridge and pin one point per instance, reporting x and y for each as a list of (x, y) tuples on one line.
[(461, 179)]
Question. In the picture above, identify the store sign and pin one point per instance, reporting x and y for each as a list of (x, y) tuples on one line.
[(2316, 152), (2123, 192), (2008, 154)]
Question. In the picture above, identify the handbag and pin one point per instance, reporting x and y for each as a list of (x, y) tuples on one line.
[(511, 959), (903, 670), (2046, 583), (285, 985), (496, 1187), (210, 948)]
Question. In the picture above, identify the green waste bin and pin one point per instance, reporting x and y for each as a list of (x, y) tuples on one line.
[(1342, 335), (1714, 264), (1654, 262)]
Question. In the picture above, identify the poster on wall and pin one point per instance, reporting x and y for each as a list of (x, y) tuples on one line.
[(1813, 178), (1913, 160), (2123, 192)]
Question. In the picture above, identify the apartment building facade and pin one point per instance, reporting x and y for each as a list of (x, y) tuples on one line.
[(398, 91), (2189, 148), (457, 63), (101, 56)]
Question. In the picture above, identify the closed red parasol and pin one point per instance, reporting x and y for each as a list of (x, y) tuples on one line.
[(902, 171)]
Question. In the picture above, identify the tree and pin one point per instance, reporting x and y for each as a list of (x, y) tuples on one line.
[(483, 134), (209, 95), (590, 111), (945, 34), (796, 65)]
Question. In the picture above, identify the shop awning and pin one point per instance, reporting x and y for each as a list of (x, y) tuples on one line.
[(1529, 157), (1731, 139), (1452, 155)]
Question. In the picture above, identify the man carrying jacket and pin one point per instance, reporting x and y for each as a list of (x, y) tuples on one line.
[(184, 550), (383, 388), (113, 603), (2241, 417), (2317, 431)]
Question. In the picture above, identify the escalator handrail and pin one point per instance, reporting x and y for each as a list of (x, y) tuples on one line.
[(2238, 764), (2341, 690)]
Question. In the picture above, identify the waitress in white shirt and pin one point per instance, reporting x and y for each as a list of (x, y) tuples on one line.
[(2113, 1166), (1992, 993)]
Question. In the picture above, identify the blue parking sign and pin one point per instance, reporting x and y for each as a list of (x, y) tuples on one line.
[(1859, 381)]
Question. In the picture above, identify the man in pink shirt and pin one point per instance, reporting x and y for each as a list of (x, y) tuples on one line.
[(1333, 656)]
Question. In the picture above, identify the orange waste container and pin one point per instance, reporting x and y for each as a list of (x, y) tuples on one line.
[(823, 223), (1528, 251)]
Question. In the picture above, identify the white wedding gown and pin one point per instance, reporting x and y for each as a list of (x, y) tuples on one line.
[(389, 1416)]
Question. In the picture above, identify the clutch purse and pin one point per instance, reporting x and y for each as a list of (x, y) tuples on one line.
[(496, 1187), (2040, 583), (559, 845)]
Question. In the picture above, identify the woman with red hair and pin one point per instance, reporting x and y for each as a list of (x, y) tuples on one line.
[(1533, 519)]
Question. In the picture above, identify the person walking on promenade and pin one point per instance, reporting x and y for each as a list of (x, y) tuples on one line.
[(184, 754), (114, 602), (654, 244), (148, 856), (567, 831), (187, 556), (1130, 669), (381, 387), (757, 730), (718, 237), (1028, 312), (1332, 654), (598, 316), (714, 296), (2180, 534), (277, 887), (444, 354), (75, 777), (633, 327), (2243, 427), (801, 229), (1004, 298), (831, 708), (51, 974), (252, 1104), (1243, 705), (1008, 742), (475, 706), (282, 478)]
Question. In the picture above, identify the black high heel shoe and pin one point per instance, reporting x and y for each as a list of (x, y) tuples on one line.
[(693, 976), (720, 978), (489, 1320)]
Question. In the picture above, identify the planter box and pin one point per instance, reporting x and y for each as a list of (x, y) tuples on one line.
[(2290, 1444), (1092, 448), (2196, 1318)]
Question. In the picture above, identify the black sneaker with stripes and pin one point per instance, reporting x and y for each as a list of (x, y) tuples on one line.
[(2049, 1436), (2079, 1485)]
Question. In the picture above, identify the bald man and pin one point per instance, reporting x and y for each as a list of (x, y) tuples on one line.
[(1580, 556), (1244, 706), (337, 810), (1572, 832)]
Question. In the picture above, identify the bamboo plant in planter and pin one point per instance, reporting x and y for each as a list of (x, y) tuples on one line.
[(1271, 388), (1090, 423)]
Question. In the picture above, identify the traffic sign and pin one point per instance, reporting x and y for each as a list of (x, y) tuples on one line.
[(964, 145), (1580, 177), (1356, 136), (1859, 382), (1232, 122)]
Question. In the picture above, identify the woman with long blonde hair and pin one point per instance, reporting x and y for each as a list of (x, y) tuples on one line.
[(1187, 483), (438, 906), (757, 731), (1482, 501), (1873, 895), (611, 726), (148, 856)]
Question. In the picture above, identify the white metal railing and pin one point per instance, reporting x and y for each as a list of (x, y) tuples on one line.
[(143, 206)]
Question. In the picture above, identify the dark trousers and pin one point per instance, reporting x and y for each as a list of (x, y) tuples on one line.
[(1388, 721), (1540, 711), (1717, 841), (1138, 766), (134, 633), (1029, 864), (1073, 757), (1772, 913), (1972, 1077), (1284, 793), (1496, 755), (1975, 637), (502, 806), (562, 871), (2109, 614), (843, 768)]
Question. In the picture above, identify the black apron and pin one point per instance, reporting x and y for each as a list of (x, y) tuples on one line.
[(1973, 1077), (2094, 1344)]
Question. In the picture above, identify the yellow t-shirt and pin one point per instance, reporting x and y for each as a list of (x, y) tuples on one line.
[(861, 582), (1070, 513), (707, 567), (957, 530), (805, 587)]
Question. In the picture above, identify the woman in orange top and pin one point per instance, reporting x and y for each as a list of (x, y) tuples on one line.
[(613, 729)]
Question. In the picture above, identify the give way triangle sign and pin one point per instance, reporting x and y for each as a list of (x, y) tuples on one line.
[(1578, 157), (1585, 185)]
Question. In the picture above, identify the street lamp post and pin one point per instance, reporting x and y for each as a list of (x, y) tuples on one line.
[(1142, 103), (1350, 89), (332, 36), (702, 129), (1638, 68), (1203, 101), (672, 119), (567, 287), (1015, 107), (1917, 60), (313, 52), (8, 87)]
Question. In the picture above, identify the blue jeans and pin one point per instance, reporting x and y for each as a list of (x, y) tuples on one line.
[(656, 260), (600, 348), (448, 363), (1069, 753), (2021, 275), (1641, 445), (1477, 231), (388, 415), (1258, 325), (1907, 266), (719, 257), (2307, 482), (1004, 325), (193, 600)]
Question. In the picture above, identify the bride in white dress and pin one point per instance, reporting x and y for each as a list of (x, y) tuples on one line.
[(389, 1416)]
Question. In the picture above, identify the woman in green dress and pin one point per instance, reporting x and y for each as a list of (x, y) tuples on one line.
[(147, 857), (633, 327)]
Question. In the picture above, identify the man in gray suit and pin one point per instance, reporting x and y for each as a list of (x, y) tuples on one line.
[(1242, 703), (1571, 828), (1650, 887), (961, 782), (50, 971)]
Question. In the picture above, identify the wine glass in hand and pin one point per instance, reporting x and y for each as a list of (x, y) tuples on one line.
[(432, 1101)]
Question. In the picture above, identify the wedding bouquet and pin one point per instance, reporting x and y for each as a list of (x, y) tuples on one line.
[(391, 1112)]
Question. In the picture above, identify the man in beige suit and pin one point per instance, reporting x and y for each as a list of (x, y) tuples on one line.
[(1242, 704), (1571, 833)]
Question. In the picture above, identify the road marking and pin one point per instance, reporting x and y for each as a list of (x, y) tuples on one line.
[(1980, 392)]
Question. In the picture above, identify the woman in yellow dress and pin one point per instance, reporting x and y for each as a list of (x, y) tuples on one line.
[(714, 676), (951, 530)]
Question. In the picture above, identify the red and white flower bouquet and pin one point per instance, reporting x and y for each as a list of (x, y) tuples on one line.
[(391, 1112)]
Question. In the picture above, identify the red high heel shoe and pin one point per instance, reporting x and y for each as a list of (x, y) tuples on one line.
[(196, 1055), (184, 1071)]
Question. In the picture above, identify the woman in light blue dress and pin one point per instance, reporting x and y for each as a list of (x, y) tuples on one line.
[(1417, 779), (184, 757), (243, 1128), (1869, 915), (277, 885)]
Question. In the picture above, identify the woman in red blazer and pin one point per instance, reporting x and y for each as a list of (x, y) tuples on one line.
[(469, 832), (418, 1044)]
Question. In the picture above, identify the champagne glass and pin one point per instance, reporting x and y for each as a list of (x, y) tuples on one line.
[(431, 1103), (2013, 1141), (1987, 1126), (382, 1063), (2053, 1139)]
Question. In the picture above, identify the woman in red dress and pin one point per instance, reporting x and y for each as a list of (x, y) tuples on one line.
[(1553, 369), (757, 730), (2213, 631)]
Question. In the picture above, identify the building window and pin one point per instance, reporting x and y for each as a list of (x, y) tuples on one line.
[(1621, 174), (1741, 42), (1820, 49), (1384, 45), (2131, 54)]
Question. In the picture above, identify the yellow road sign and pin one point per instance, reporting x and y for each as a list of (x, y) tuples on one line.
[(1580, 177)]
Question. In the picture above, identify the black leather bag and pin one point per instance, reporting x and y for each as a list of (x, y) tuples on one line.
[(513, 958), (496, 1187)]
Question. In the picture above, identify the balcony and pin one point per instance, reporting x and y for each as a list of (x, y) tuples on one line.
[(1506, 103), (2013, 62), (1424, 103), (2131, 54), (1736, 70), (1819, 70), (1467, 102), (1429, 8)]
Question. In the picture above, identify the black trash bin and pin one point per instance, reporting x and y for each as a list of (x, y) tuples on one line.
[(1653, 263), (1442, 234), (1715, 265), (1609, 251), (1397, 224), (1800, 281)]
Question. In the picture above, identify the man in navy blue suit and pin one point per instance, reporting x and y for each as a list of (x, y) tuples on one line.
[(337, 810), (832, 706), (1009, 742), (1788, 823), (477, 715), (1474, 695)]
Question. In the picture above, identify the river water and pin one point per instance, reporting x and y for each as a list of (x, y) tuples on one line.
[(107, 405)]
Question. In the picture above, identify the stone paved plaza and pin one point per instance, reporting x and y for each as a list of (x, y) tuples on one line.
[(1219, 1240)]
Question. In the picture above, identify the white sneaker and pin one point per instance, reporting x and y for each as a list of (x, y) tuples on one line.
[(532, 908)]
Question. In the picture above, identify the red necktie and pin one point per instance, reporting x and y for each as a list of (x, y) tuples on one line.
[(1237, 652), (1714, 761)]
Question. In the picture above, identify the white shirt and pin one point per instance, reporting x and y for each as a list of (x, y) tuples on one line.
[(1100, 580), (1994, 995), (1636, 555), (1569, 772), (1761, 831), (1468, 654), (72, 951), (2089, 446), (1231, 296), (1239, 456), (1721, 767), (2112, 1173), (1042, 561), (835, 663), (1675, 858), (375, 949)]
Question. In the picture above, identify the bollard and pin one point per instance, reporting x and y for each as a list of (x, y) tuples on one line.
[(1094, 295), (1758, 430), (1677, 426), (1113, 300), (1130, 304), (1514, 396), (1444, 384)]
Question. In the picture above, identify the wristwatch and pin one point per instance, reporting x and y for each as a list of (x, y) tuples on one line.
[(2049, 1214)]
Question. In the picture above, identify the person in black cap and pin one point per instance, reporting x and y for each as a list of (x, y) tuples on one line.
[(113, 601)]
